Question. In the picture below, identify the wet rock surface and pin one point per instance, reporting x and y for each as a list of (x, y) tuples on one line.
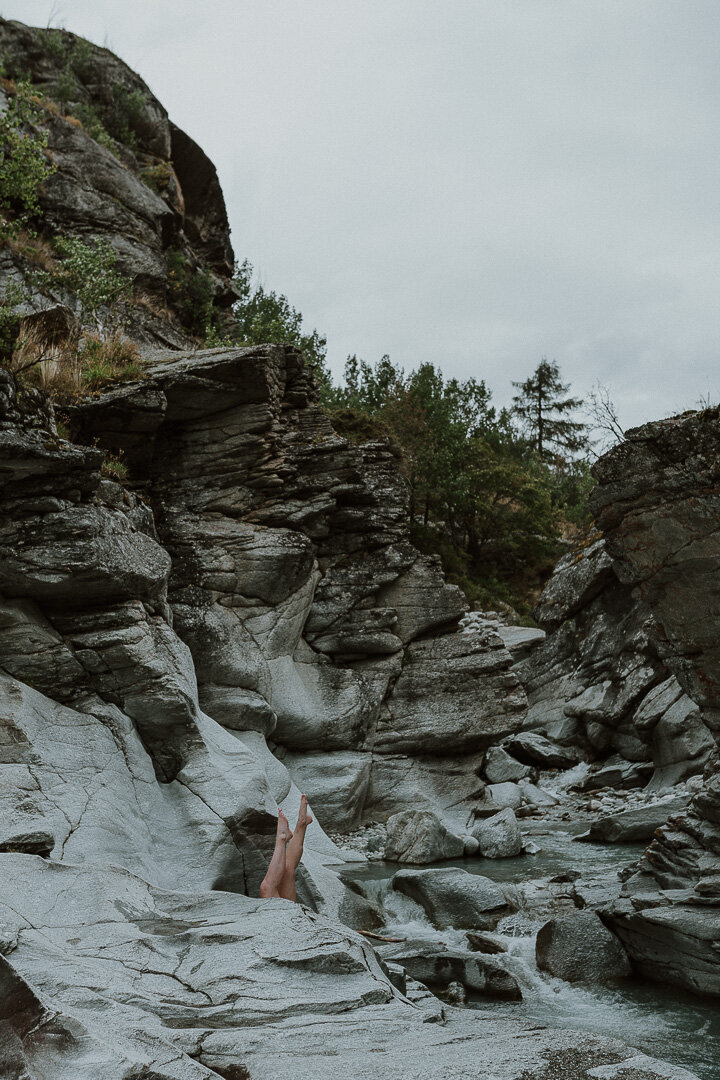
[(634, 826), (499, 836), (579, 948), (418, 836), (453, 897), (436, 966)]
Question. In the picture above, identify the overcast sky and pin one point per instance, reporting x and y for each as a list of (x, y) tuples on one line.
[(477, 183)]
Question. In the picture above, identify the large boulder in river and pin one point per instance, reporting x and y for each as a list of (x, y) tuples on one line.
[(578, 948), (505, 795), (418, 836), (671, 943), (617, 772), (634, 826), (454, 898), (499, 836)]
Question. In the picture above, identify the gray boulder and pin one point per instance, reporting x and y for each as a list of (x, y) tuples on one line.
[(470, 846), (505, 795), (533, 749), (418, 836), (617, 772), (578, 948), (681, 742), (634, 826), (454, 898), (520, 639), (672, 944), (500, 766), (486, 943), (536, 796), (499, 836), (475, 671), (437, 966)]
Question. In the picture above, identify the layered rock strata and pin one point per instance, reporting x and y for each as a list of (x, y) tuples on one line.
[(132, 823), (599, 682), (309, 616), (658, 504)]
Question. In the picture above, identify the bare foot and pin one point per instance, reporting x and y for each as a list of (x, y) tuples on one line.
[(283, 829), (304, 818)]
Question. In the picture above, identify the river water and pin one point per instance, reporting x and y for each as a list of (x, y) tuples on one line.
[(666, 1023)]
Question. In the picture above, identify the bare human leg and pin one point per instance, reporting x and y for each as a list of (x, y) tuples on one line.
[(270, 885), (294, 851)]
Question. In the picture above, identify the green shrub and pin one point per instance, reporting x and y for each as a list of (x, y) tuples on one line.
[(89, 271), (214, 339), (157, 177), (65, 89), (23, 161), (80, 58), (91, 122), (123, 116), (266, 317), (113, 467), (191, 294), (357, 427), (56, 44)]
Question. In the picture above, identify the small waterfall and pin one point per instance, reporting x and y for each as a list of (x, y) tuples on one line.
[(667, 1024)]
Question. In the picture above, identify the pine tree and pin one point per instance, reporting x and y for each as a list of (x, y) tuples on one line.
[(543, 410)]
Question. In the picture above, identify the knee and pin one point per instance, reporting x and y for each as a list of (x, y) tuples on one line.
[(266, 891)]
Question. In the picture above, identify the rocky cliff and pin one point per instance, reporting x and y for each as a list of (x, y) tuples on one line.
[(124, 174), (658, 502), (309, 616), (600, 680), (629, 674)]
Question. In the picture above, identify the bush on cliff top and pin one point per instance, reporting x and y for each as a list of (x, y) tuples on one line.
[(481, 496)]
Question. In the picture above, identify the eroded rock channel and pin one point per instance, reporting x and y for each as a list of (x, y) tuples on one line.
[(180, 653)]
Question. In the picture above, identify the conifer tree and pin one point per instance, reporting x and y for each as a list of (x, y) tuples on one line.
[(544, 412)]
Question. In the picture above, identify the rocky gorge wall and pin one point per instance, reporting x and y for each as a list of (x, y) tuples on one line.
[(600, 682), (310, 617), (657, 502), (139, 686), (253, 582), (628, 674)]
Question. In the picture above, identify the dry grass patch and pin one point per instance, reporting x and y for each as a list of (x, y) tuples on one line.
[(34, 249), (150, 303), (51, 357), (109, 360)]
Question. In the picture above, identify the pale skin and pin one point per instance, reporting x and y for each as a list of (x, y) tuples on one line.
[(280, 877)]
